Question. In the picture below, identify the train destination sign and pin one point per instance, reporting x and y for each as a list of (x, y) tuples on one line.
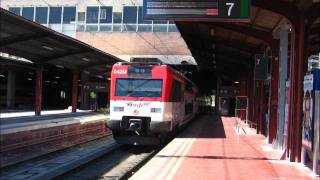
[(184, 10)]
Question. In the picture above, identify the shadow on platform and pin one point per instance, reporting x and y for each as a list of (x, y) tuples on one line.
[(219, 157), (209, 125)]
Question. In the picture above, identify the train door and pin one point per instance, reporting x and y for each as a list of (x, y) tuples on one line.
[(177, 99)]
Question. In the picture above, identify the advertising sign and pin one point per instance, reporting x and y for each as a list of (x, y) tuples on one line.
[(307, 126), (236, 10)]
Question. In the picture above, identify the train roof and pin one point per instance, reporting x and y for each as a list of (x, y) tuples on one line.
[(178, 71)]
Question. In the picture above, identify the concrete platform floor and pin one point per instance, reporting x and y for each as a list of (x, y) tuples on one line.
[(211, 148)]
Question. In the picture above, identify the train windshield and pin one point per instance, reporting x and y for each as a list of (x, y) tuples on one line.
[(139, 87)]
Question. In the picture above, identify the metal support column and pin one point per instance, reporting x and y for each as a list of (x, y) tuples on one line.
[(11, 89), (316, 150), (255, 98), (84, 93), (251, 96), (299, 91), (261, 107), (38, 90), (273, 102), (217, 102), (283, 77), (75, 76), (291, 98)]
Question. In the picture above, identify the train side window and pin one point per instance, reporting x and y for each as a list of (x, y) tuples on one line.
[(176, 92)]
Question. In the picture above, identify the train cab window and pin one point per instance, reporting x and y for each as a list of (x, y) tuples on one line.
[(139, 87), (176, 92)]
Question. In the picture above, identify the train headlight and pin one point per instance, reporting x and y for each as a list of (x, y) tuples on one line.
[(155, 110), (118, 109)]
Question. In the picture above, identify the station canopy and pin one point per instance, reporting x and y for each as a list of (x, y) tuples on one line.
[(41, 45), (228, 47)]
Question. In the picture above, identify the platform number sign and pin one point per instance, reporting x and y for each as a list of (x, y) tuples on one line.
[(229, 8), (208, 10)]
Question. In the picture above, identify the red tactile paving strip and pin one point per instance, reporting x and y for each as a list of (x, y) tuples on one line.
[(218, 152)]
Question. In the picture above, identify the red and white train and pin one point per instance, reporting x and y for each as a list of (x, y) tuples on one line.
[(148, 101)]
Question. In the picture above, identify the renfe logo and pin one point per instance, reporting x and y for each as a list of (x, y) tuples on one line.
[(120, 71), (137, 105)]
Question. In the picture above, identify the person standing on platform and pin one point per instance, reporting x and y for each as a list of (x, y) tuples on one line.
[(93, 101)]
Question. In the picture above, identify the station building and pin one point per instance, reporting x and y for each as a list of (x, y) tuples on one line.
[(115, 27)]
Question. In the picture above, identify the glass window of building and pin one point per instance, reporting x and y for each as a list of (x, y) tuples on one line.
[(140, 17), (69, 15), (172, 26), (130, 18), (15, 10), (27, 12), (55, 15), (117, 17), (160, 26), (160, 22), (106, 15), (92, 14), (117, 20), (130, 14), (143, 25), (41, 15), (81, 16)]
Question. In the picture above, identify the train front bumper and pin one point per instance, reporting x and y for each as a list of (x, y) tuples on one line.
[(154, 126)]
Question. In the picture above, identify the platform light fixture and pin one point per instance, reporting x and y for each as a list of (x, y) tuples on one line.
[(3, 76), (59, 66), (236, 82), (85, 59), (86, 72), (58, 77), (29, 79), (47, 48)]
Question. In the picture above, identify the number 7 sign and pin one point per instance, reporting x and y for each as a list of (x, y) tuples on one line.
[(229, 8)]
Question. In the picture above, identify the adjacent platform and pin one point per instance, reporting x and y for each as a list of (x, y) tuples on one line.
[(24, 136), (212, 148)]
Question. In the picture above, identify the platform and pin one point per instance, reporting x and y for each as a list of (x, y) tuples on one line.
[(212, 148), (24, 136)]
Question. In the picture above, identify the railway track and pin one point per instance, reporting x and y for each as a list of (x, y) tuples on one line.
[(102, 158), (22, 146), (121, 163)]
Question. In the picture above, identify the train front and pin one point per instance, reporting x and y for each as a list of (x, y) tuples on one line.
[(137, 108)]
